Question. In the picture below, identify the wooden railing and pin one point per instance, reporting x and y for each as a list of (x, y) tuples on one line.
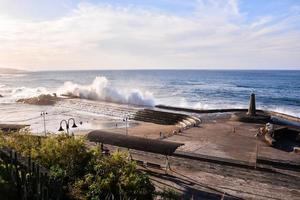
[(31, 179)]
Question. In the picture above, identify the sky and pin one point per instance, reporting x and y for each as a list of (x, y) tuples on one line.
[(149, 34)]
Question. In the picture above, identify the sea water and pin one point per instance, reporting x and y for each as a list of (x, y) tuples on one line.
[(200, 89)]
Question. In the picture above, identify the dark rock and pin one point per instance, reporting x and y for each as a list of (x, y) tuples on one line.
[(40, 100)]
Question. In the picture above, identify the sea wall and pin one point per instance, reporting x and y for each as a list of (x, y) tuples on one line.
[(271, 113)]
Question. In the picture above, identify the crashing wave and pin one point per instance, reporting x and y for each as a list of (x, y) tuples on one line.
[(101, 90), (24, 92), (11, 95)]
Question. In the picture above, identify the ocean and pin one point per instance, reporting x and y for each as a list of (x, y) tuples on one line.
[(200, 89)]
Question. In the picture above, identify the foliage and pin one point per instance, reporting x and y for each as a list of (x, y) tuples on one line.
[(24, 143), (115, 177), (169, 194), (64, 152), (2, 139), (83, 173)]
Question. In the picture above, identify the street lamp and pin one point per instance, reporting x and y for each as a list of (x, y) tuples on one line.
[(67, 123), (125, 119), (43, 114)]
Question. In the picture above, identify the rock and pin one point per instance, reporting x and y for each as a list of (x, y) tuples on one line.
[(297, 149), (12, 127), (40, 100), (1, 95), (271, 141), (70, 96)]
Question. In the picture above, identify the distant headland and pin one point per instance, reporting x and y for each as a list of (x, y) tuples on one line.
[(11, 71)]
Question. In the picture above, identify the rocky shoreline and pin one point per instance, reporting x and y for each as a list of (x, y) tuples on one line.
[(41, 100)]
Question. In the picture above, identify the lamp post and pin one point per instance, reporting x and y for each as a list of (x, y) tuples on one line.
[(125, 119), (67, 123), (43, 114)]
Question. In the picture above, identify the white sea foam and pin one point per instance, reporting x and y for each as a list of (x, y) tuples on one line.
[(205, 105), (24, 92), (283, 110), (13, 94), (100, 89), (8, 76), (216, 104)]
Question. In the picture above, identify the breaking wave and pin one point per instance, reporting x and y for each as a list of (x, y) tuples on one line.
[(100, 89), (11, 95)]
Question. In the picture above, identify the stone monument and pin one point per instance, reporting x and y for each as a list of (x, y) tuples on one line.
[(252, 107)]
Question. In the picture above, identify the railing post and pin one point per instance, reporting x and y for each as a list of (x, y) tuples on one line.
[(24, 184), (29, 164), (46, 185), (30, 178), (11, 165), (17, 176), (38, 181)]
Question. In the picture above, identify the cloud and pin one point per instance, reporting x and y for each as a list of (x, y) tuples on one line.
[(215, 35)]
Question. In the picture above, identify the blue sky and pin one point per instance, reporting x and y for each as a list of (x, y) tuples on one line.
[(210, 34), (45, 9)]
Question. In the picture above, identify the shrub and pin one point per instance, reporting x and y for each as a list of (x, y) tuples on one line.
[(24, 143), (169, 194), (83, 172), (65, 152), (116, 178)]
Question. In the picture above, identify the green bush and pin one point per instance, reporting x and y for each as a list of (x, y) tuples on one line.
[(169, 194), (24, 143), (116, 178), (84, 173), (66, 153)]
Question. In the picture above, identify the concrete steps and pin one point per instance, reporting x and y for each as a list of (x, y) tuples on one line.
[(166, 118)]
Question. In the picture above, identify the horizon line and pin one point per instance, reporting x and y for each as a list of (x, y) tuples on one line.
[(161, 69)]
